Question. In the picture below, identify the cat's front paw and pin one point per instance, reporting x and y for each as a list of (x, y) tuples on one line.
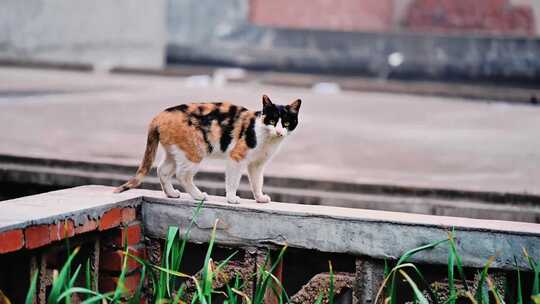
[(200, 196), (233, 199), (173, 194), (263, 199)]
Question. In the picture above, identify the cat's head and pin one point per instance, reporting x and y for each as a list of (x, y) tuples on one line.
[(280, 120)]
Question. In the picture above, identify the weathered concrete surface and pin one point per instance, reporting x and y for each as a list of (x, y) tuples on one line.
[(103, 33), (352, 136), (375, 234), (78, 204)]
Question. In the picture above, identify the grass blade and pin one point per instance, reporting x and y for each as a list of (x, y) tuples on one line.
[(519, 292), (82, 290), (72, 282), (32, 290), (458, 264), (319, 299), (179, 294), (493, 289), (120, 286), (390, 276), (61, 280), (280, 286), (243, 295), (88, 275), (417, 293), (451, 286), (331, 288), (263, 277), (536, 269), (208, 273), (481, 292), (407, 255), (171, 240), (4, 299), (136, 299)]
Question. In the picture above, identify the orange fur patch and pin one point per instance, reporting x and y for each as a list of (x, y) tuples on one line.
[(240, 150), (175, 130)]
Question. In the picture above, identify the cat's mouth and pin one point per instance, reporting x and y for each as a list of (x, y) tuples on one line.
[(276, 134)]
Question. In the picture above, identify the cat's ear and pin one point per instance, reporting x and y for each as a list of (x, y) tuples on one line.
[(266, 101), (295, 105)]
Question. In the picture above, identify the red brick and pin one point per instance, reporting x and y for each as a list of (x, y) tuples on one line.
[(133, 233), (61, 230), (108, 283), (88, 226), (110, 219), (112, 260), (462, 16), (37, 236), (129, 215), (340, 15), (11, 240)]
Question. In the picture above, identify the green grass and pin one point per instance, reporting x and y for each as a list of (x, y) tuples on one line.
[(485, 284), (167, 283)]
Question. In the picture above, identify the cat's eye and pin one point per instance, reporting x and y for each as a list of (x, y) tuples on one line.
[(285, 124), (272, 122)]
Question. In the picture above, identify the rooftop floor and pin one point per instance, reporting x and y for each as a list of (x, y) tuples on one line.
[(349, 136)]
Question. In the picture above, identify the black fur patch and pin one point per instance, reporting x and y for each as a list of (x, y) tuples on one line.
[(272, 113), (209, 147), (227, 126), (181, 108), (251, 138), (289, 119)]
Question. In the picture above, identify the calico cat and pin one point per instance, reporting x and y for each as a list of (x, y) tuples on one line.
[(191, 132)]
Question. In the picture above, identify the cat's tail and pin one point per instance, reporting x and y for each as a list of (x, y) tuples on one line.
[(149, 155)]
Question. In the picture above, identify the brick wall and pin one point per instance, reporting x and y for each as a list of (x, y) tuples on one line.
[(36, 236), (479, 16), (494, 17), (104, 238), (128, 233)]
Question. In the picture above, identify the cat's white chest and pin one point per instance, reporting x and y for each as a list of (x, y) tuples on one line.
[(267, 147)]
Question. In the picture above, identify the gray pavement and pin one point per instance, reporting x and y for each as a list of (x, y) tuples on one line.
[(350, 136)]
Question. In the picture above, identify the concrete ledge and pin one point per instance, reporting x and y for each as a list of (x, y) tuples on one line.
[(376, 234), (76, 204)]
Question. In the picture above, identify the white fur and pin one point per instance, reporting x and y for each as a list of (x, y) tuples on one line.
[(269, 138), (175, 161)]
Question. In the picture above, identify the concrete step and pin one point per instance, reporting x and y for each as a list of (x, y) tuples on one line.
[(481, 205)]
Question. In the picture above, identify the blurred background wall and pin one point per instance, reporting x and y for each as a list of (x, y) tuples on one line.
[(98, 32), (485, 40), (482, 40)]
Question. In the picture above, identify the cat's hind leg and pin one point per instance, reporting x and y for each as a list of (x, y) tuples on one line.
[(165, 171), (185, 171), (185, 174), (233, 173)]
